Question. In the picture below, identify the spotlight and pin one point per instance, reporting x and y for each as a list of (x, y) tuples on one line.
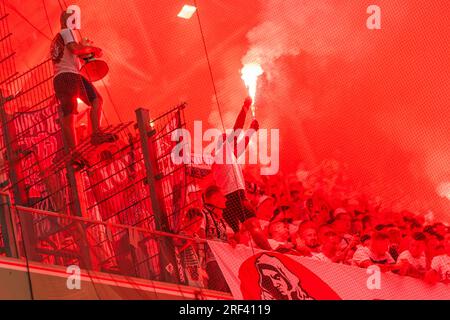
[(187, 12)]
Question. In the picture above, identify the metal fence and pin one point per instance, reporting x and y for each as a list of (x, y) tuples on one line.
[(103, 216), (99, 246), (32, 141), (92, 245)]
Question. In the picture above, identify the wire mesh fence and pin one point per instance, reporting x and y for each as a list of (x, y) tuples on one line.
[(32, 138), (115, 187), (53, 239), (104, 216), (178, 183), (7, 53), (115, 184)]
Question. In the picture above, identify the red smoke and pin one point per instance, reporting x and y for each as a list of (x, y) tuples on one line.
[(380, 98)]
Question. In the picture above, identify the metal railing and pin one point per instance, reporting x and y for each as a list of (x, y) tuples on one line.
[(94, 245), (90, 216)]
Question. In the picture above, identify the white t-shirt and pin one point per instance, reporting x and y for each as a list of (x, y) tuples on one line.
[(227, 172), (264, 224), (320, 257), (363, 254), (420, 264), (64, 61), (274, 244), (441, 264)]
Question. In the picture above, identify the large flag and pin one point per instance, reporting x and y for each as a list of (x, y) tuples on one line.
[(254, 274)]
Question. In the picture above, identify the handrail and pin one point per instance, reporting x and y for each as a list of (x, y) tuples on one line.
[(108, 224)]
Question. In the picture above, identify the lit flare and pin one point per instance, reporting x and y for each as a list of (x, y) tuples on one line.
[(250, 73)]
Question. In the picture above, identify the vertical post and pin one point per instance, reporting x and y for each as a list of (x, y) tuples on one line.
[(7, 226), (17, 180), (77, 207), (167, 249), (15, 171)]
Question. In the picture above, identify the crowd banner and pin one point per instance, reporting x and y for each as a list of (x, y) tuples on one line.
[(254, 274)]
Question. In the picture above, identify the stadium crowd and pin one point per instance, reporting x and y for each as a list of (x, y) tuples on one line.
[(322, 218), (318, 214)]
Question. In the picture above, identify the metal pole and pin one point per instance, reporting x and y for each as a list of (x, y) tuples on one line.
[(7, 225), (15, 171), (75, 204), (17, 181), (77, 207), (168, 262)]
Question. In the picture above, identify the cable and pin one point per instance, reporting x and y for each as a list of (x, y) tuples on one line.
[(48, 19), (28, 21), (217, 101), (209, 64), (111, 100), (30, 283), (60, 5)]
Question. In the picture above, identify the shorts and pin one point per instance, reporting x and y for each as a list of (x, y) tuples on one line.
[(238, 209), (70, 86)]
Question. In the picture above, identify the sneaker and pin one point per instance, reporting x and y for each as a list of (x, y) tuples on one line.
[(78, 161), (101, 138)]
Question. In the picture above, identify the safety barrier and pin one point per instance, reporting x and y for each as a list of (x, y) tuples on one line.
[(95, 246)]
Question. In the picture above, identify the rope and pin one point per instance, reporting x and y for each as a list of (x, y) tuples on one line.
[(48, 19), (60, 5), (108, 93), (28, 21), (216, 94), (205, 47)]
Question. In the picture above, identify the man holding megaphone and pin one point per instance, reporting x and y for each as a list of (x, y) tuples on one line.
[(70, 84)]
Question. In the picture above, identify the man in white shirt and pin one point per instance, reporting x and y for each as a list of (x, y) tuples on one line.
[(343, 225), (265, 210), (413, 262), (70, 85), (214, 227), (329, 246), (440, 265), (376, 254), (306, 241), (279, 236), (228, 176)]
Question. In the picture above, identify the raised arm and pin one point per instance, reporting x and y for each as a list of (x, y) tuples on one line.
[(239, 125), (239, 151), (240, 120)]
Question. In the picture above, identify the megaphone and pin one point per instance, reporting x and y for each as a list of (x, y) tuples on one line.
[(94, 69)]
